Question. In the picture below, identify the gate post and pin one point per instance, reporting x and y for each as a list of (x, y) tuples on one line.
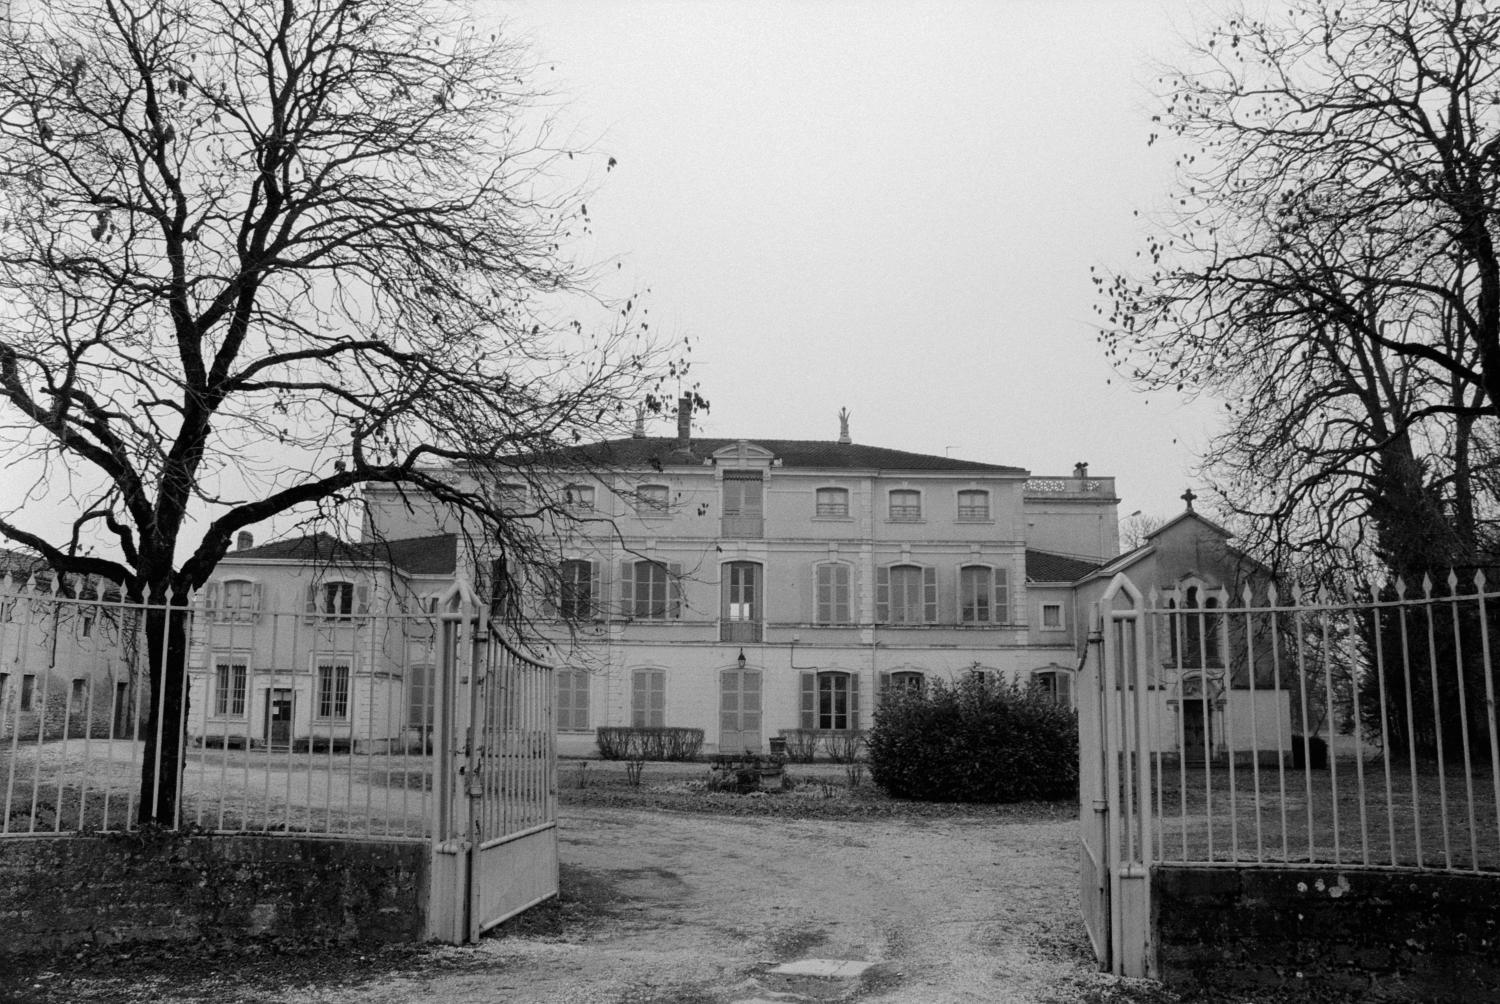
[(1093, 807), (1127, 777), (451, 846)]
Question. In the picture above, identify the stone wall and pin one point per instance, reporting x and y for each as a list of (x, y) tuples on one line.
[(61, 891), (1384, 935)]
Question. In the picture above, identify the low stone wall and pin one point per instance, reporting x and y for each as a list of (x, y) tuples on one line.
[(1386, 935), (61, 891)]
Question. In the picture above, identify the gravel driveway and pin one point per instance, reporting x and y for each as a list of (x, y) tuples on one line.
[(693, 908)]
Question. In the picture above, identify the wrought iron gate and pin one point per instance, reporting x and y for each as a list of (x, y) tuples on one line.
[(1115, 784), (495, 839)]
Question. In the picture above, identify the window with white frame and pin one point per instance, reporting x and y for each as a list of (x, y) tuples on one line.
[(905, 505), (906, 594), (832, 591), (973, 505), (651, 500), (651, 590), (1196, 627), (830, 700), (976, 594), (1056, 684), (28, 692), (234, 601), (580, 498), (575, 590), (648, 699), (832, 502), (231, 684), (421, 692), (332, 689), (336, 599), (79, 696), (906, 681), (572, 700), (1052, 617)]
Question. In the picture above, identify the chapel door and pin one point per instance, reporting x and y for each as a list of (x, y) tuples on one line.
[(1197, 730), (739, 711)]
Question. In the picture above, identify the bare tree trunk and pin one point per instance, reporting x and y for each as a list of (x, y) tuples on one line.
[(161, 766)]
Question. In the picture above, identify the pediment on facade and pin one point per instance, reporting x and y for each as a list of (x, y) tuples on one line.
[(743, 453)]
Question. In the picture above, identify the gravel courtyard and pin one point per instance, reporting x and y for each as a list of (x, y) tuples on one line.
[(693, 908)]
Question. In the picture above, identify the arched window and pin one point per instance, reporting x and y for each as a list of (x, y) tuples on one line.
[(906, 594), (1196, 629), (832, 502), (830, 700), (1056, 683), (905, 505), (973, 506), (906, 681)]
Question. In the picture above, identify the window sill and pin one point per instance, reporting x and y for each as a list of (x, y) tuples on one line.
[(986, 521), (905, 519), (833, 519)]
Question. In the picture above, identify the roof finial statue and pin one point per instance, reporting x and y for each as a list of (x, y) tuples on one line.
[(844, 426), (1188, 497)]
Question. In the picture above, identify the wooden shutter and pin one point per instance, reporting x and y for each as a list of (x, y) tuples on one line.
[(211, 597), (362, 599), (883, 595), (627, 588), (310, 609), (674, 590), (809, 717), (854, 700), (596, 590), (883, 683), (1002, 596), (256, 598), (929, 595)]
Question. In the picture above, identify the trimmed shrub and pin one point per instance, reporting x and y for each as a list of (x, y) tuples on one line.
[(618, 742), (838, 745), (974, 741)]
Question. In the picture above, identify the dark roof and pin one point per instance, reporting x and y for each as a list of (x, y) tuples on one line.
[(1044, 566), (417, 555), (805, 453)]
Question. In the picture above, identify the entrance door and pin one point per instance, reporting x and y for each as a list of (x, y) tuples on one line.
[(739, 711), (279, 717), (1197, 730)]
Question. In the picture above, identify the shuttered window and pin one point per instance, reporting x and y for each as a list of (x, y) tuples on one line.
[(832, 595), (830, 700), (572, 700), (906, 594), (648, 698)]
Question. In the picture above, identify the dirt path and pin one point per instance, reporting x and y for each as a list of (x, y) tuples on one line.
[(702, 908)]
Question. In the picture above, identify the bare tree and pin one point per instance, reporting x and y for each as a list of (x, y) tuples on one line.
[(260, 253), (1329, 272)]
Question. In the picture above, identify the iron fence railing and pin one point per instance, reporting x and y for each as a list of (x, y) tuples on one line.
[(1313, 728), (294, 722)]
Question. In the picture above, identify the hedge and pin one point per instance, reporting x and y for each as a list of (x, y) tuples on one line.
[(618, 742), (974, 741)]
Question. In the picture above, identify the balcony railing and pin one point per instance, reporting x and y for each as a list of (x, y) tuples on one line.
[(739, 630), (743, 527)]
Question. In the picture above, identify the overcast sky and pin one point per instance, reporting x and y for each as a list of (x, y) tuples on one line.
[(886, 207)]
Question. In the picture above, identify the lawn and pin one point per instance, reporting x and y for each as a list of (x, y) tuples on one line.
[(1341, 815)]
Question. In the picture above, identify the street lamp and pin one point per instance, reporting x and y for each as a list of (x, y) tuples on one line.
[(741, 659)]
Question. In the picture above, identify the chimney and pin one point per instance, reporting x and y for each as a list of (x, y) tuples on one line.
[(684, 422), (1081, 469), (639, 432), (244, 540), (844, 427)]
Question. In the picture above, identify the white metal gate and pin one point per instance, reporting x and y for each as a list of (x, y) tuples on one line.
[(1115, 784), (495, 840)]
